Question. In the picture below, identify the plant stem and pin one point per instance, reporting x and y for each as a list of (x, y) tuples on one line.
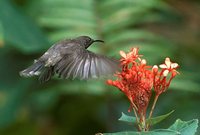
[(152, 108), (135, 112), (135, 109), (143, 122), (134, 106), (138, 121)]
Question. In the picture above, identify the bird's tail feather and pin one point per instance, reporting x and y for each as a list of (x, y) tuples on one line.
[(33, 70), (46, 74), (38, 69)]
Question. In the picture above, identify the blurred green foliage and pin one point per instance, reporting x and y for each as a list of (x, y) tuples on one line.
[(60, 107)]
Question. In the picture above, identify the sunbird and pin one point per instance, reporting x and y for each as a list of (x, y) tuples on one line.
[(70, 58)]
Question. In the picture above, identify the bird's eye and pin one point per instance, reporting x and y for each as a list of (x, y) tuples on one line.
[(89, 40)]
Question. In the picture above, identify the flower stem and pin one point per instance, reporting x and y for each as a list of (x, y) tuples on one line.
[(135, 109), (134, 106), (135, 112), (143, 122), (152, 108)]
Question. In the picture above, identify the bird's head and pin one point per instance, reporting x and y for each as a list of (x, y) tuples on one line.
[(86, 41)]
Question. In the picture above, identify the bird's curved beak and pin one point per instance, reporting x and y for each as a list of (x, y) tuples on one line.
[(98, 41)]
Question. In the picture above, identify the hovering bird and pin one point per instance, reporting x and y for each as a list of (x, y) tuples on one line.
[(71, 59)]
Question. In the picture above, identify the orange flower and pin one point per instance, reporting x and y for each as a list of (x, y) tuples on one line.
[(135, 80)]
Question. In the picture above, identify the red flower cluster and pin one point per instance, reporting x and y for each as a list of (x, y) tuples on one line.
[(137, 79)]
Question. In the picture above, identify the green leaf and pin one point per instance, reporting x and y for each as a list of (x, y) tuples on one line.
[(178, 128), (155, 120), (19, 30), (126, 118), (155, 132), (185, 127)]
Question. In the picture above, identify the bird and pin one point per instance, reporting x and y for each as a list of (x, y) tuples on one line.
[(69, 58)]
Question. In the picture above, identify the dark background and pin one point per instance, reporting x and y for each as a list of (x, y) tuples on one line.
[(64, 107)]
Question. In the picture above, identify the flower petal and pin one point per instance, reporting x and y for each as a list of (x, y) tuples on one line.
[(122, 53), (162, 66), (110, 82), (135, 51), (174, 65), (143, 62), (155, 68), (167, 62), (165, 73)]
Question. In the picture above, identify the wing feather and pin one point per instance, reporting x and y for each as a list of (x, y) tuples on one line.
[(93, 68), (86, 67), (77, 66), (69, 67), (85, 64)]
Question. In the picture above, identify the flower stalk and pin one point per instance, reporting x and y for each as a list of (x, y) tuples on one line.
[(152, 109)]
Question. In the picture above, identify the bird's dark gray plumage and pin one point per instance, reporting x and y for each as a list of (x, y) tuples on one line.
[(71, 59)]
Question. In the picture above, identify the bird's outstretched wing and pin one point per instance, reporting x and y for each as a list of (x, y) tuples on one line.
[(85, 64)]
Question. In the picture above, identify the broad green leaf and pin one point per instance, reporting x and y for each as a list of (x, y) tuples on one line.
[(126, 118), (155, 132), (185, 127), (19, 30), (178, 128), (155, 120), (152, 121)]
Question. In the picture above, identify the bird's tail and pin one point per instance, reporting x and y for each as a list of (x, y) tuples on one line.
[(38, 69), (46, 74), (33, 70)]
